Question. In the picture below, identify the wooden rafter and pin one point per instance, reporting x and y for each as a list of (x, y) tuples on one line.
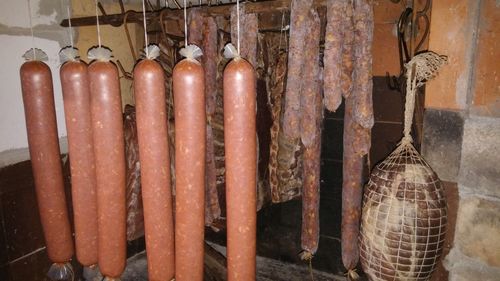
[(218, 10)]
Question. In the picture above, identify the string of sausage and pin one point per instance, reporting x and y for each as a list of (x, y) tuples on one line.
[(310, 127), (358, 113), (76, 95), (39, 110), (203, 33), (149, 90), (109, 151)]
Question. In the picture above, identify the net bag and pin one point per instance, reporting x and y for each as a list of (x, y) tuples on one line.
[(404, 217)]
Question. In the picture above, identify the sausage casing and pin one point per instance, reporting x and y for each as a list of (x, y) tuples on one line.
[(310, 124), (149, 89), (190, 140), (109, 150), (76, 95), (41, 125), (241, 165)]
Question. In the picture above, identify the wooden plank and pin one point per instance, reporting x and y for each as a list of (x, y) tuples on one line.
[(262, 7)]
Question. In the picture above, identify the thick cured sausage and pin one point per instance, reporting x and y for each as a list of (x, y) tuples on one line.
[(190, 134), (109, 150), (356, 145), (334, 34), (347, 24), (149, 89), (210, 51), (310, 125), (298, 31), (76, 96), (241, 165), (363, 39), (41, 125)]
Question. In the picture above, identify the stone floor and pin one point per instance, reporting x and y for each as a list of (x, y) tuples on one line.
[(267, 270)]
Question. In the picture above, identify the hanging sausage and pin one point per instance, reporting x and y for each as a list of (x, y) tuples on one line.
[(248, 26), (76, 96), (356, 133), (210, 49), (310, 127), (363, 39), (190, 140), (334, 41), (241, 166), (298, 31), (149, 90), (41, 126), (203, 32), (109, 151)]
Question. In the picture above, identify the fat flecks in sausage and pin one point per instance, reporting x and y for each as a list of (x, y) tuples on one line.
[(149, 89)]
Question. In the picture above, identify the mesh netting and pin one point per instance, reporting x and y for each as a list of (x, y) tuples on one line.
[(404, 217)]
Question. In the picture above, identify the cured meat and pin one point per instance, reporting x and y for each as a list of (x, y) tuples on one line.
[(249, 29), (348, 49), (241, 168), (363, 39), (190, 140), (210, 59), (203, 32), (333, 59), (310, 127), (195, 27), (135, 214), (41, 126), (76, 96), (299, 28), (351, 186), (149, 89), (109, 150)]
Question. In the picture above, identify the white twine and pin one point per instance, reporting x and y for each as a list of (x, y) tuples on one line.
[(145, 30), (238, 24), (98, 27), (422, 68), (281, 29), (69, 25), (185, 25), (31, 28)]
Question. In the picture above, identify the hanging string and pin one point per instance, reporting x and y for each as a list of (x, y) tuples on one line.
[(145, 30), (69, 25), (31, 28), (98, 27), (185, 26), (281, 29), (238, 24)]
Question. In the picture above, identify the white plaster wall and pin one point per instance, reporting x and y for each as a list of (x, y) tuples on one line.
[(14, 19)]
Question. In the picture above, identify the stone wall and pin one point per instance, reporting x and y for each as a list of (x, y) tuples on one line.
[(462, 130)]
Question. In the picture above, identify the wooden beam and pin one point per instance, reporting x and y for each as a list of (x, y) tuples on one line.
[(261, 7)]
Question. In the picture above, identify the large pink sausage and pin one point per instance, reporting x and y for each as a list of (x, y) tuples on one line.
[(241, 159), (149, 89), (39, 110), (76, 95), (109, 149), (190, 143)]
